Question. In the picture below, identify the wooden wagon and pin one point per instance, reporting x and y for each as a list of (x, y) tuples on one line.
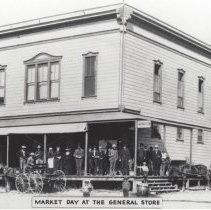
[(35, 178)]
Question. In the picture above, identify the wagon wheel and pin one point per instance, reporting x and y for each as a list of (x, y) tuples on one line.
[(22, 183), (35, 182), (59, 180)]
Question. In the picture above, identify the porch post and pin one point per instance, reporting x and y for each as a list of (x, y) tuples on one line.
[(135, 146), (191, 144), (8, 144), (164, 136), (45, 148), (86, 149)]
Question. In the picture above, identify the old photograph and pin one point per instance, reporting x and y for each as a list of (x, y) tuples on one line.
[(105, 104)]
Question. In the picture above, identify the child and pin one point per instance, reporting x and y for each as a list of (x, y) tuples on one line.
[(144, 171), (87, 188), (126, 187)]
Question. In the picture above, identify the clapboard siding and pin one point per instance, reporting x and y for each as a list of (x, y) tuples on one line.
[(138, 83), (71, 50), (177, 150)]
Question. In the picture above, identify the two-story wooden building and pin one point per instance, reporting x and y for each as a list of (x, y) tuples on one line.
[(108, 74)]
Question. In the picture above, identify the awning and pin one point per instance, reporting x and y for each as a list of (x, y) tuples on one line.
[(45, 129)]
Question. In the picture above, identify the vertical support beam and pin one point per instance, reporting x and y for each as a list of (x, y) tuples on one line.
[(135, 147), (8, 146), (164, 136), (86, 151), (45, 148), (191, 145)]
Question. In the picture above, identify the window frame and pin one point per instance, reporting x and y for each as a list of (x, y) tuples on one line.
[(3, 68), (180, 139), (202, 136), (87, 55), (200, 109), (36, 61), (159, 63), (181, 71)]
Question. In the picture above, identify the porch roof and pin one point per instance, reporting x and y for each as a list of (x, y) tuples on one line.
[(45, 129), (68, 123)]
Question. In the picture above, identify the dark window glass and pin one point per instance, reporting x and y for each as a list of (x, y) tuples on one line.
[(90, 76)]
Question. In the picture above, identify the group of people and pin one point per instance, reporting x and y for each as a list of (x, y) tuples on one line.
[(109, 161), (157, 162), (67, 161), (27, 160), (100, 161)]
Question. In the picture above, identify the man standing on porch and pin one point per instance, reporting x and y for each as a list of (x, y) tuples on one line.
[(140, 156), (124, 157), (22, 155), (57, 159), (95, 158), (156, 160), (79, 154), (113, 157)]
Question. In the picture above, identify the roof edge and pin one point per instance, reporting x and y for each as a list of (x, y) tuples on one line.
[(167, 28)]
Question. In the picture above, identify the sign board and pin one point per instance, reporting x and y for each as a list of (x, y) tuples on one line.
[(144, 124)]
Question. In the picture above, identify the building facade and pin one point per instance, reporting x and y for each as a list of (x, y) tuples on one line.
[(104, 70)]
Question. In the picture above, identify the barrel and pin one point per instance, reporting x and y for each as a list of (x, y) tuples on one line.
[(142, 190)]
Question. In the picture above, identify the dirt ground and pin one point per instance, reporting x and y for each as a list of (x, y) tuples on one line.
[(187, 199)]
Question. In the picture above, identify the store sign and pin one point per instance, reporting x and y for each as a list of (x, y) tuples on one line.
[(144, 124)]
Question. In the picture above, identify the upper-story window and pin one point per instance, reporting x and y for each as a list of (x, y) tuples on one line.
[(89, 75), (180, 86), (42, 78), (2, 84), (157, 81), (201, 94)]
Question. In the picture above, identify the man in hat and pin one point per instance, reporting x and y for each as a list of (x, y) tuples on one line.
[(78, 155), (90, 161), (22, 155), (50, 159), (141, 154), (113, 157), (151, 160), (156, 160), (67, 162), (95, 160), (57, 159), (102, 157), (124, 157), (39, 155), (30, 161)]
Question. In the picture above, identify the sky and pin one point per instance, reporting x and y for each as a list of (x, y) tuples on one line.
[(190, 16)]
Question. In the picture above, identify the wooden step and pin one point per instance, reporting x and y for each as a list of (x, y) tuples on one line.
[(160, 184), (157, 179), (165, 190), (161, 188)]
